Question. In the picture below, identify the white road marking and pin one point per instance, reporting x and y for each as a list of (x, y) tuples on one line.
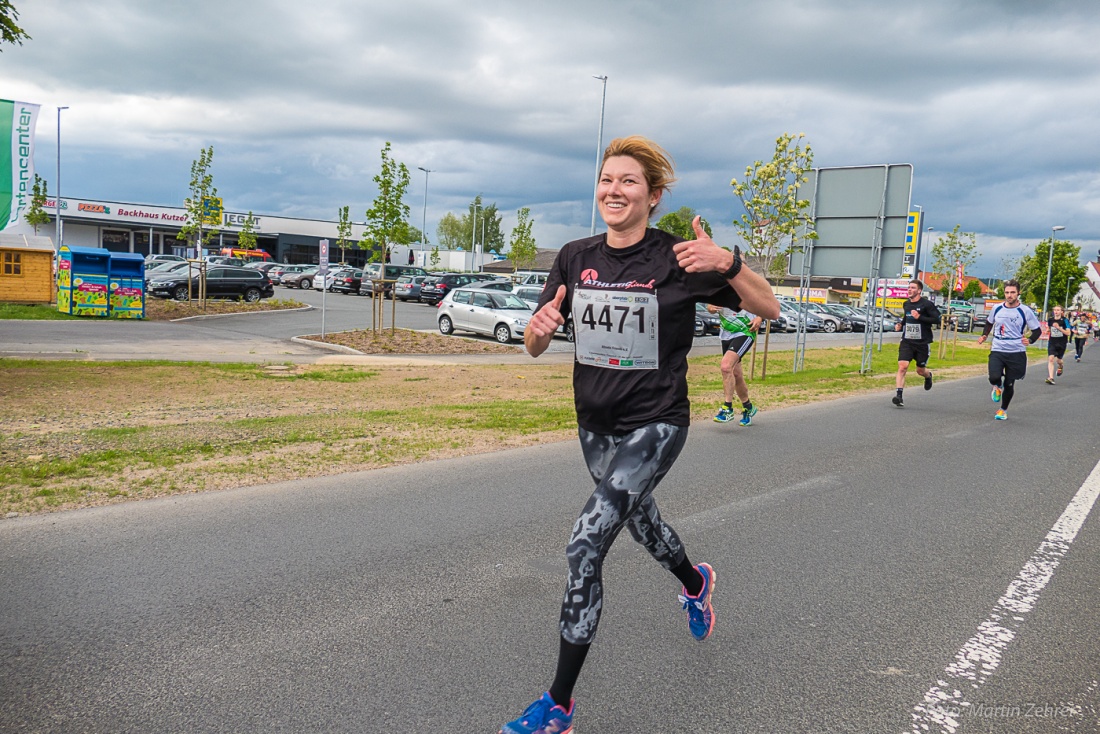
[(946, 702)]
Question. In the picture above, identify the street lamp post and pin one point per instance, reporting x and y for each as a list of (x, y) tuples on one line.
[(599, 151), (473, 231), (1069, 280), (57, 187), (924, 249), (424, 217), (1050, 263)]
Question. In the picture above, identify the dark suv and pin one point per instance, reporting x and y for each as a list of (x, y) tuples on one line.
[(246, 284), (434, 289), (373, 271)]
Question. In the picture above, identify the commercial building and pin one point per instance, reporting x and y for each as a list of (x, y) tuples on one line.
[(148, 229)]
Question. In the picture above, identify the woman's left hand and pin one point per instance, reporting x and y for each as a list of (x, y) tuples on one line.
[(701, 254)]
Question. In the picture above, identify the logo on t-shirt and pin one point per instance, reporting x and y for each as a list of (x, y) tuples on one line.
[(589, 275)]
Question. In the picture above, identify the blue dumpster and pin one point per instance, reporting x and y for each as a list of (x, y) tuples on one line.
[(82, 274), (127, 286)]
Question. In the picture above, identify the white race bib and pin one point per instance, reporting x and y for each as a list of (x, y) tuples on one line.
[(615, 329), (912, 332)]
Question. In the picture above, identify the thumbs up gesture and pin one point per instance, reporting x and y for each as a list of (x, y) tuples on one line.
[(548, 318), (701, 254)]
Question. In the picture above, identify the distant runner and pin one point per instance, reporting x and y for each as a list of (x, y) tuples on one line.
[(738, 334), (1081, 326), (1056, 343), (916, 328), (1008, 359)]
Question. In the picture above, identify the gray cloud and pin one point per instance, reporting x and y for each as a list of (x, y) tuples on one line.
[(992, 101)]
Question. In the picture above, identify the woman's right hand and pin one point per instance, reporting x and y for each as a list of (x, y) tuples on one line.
[(548, 318)]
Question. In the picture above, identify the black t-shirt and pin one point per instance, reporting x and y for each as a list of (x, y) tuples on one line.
[(927, 315), (633, 313), (1063, 324)]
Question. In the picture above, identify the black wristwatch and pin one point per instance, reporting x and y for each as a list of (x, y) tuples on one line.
[(736, 267)]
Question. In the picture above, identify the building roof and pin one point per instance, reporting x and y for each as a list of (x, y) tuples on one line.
[(35, 243), (935, 282)]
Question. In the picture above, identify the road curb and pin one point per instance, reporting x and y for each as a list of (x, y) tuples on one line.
[(239, 313)]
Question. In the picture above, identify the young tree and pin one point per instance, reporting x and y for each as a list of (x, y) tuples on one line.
[(343, 231), (434, 259), (450, 234), (481, 225), (1065, 267), (388, 219), (972, 290), (952, 248), (246, 240), (36, 213), (9, 31), (679, 223), (202, 188), (522, 249), (775, 218)]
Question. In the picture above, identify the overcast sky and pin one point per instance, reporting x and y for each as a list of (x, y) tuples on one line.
[(996, 103)]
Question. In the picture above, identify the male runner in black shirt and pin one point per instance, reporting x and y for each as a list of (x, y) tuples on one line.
[(916, 328)]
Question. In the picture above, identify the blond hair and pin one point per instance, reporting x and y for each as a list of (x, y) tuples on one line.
[(655, 161)]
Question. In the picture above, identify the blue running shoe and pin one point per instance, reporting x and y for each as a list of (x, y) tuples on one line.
[(542, 717), (699, 609), (996, 394), (746, 416), (725, 415)]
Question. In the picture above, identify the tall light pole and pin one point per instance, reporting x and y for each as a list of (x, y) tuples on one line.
[(599, 152), (424, 218), (473, 228), (1050, 262), (924, 250), (57, 187), (1069, 280)]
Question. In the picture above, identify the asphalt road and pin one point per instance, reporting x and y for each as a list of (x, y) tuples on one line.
[(263, 336), (867, 557)]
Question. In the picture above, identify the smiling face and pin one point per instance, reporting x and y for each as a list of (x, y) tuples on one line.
[(624, 197)]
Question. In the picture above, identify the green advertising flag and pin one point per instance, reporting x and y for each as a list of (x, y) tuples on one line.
[(17, 123)]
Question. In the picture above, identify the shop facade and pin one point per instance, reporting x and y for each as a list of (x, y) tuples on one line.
[(147, 229)]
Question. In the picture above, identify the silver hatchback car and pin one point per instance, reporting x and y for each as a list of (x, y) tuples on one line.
[(502, 315)]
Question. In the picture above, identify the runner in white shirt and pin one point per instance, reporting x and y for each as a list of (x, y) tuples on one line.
[(1008, 359)]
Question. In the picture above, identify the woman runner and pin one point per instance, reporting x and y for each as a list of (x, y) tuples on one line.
[(632, 295)]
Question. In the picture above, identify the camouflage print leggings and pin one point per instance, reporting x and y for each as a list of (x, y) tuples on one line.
[(626, 469)]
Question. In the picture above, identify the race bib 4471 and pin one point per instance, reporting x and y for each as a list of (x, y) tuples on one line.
[(615, 329)]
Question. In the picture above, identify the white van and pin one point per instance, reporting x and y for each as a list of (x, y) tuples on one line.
[(529, 277)]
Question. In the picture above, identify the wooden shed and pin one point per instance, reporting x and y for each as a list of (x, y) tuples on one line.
[(26, 269)]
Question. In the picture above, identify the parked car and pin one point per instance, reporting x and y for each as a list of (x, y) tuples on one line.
[(329, 279), (347, 281), (831, 323), (964, 319), (407, 287), (711, 323), (493, 285), (375, 271), (276, 274), (790, 312), (165, 269), (301, 279), (434, 290), (244, 284), (504, 316), (154, 259), (265, 266), (529, 293)]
